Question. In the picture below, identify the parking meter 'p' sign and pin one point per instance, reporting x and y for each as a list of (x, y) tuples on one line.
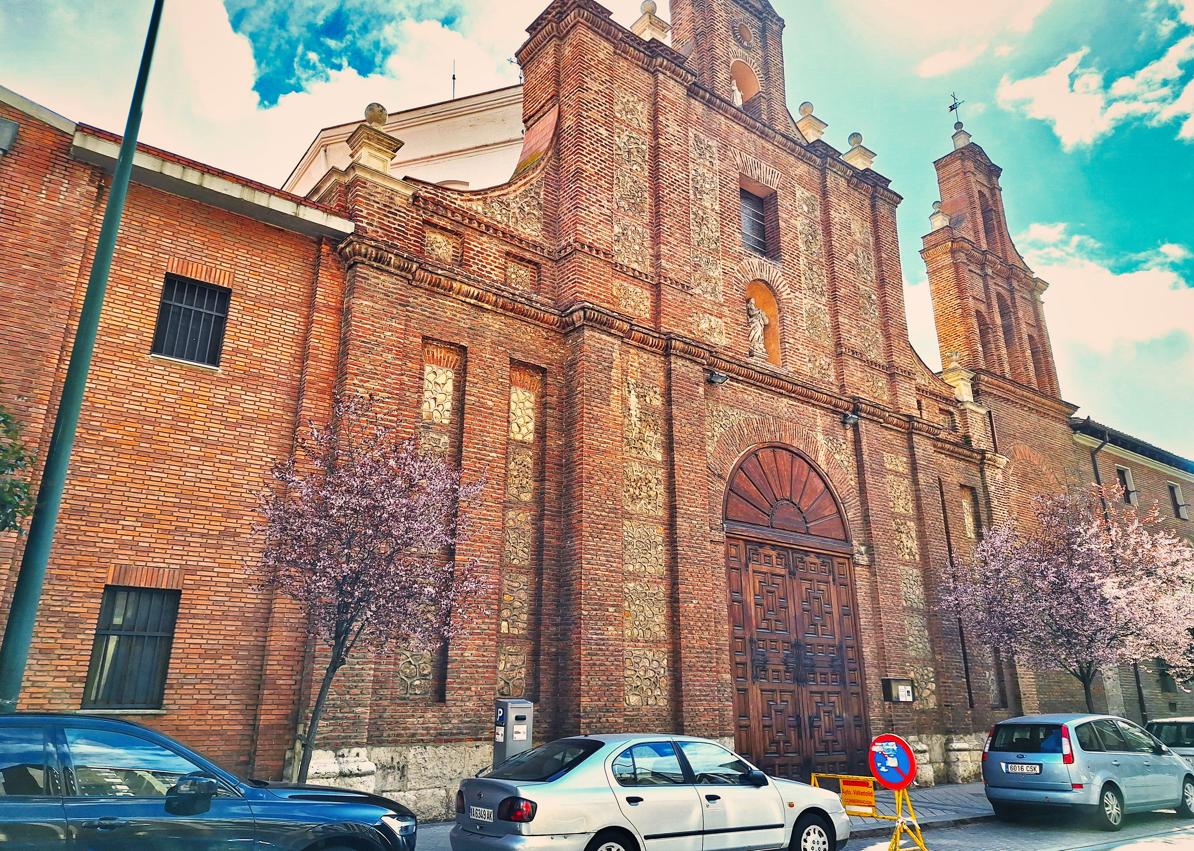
[(892, 762)]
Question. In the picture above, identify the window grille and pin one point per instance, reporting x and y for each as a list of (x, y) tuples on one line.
[(191, 321), (131, 651), (754, 222)]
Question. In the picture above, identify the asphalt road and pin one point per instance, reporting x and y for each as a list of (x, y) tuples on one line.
[(1151, 832)]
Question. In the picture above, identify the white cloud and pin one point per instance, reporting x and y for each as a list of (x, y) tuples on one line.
[(1074, 99), (1004, 50), (949, 60)]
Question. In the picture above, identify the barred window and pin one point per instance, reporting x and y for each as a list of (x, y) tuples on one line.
[(131, 651), (754, 222), (191, 321)]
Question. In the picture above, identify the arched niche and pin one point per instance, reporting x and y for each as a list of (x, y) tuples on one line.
[(765, 301), (746, 81)]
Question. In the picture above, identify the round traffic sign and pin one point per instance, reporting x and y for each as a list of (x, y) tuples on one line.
[(892, 762)]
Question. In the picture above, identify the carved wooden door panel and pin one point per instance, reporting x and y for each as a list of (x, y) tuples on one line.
[(797, 684)]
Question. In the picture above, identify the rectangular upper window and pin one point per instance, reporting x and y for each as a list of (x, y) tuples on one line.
[(1127, 484), (1176, 499), (191, 321), (754, 223), (131, 651)]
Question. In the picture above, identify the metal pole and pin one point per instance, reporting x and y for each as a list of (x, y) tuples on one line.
[(18, 632)]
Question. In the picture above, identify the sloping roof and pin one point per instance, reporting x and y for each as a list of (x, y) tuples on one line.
[(1123, 440)]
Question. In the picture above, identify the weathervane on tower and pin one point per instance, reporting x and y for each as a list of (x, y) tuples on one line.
[(956, 108)]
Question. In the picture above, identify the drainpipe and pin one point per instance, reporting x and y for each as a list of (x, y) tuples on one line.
[(1098, 477)]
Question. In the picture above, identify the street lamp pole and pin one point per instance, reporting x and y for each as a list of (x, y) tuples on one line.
[(18, 632)]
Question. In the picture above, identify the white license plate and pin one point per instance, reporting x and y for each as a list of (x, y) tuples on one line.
[(480, 813), (1022, 768)]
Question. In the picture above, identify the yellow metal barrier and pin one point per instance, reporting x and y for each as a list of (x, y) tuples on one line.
[(858, 797)]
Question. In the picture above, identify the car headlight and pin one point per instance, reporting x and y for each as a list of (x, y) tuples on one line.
[(401, 825)]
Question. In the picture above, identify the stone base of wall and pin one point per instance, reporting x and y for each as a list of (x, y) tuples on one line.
[(421, 777), (948, 758)]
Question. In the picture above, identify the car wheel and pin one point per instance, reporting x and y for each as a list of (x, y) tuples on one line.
[(1185, 807), (613, 840), (1109, 812), (812, 833), (1003, 812)]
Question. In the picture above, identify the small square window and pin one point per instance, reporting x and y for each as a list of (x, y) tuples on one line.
[(131, 651), (191, 321), (1176, 499)]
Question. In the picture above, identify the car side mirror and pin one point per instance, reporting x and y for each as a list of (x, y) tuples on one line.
[(1160, 750), (755, 778), (191, 795)]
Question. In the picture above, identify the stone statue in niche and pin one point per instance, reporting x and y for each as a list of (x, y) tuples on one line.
[(756, 321)]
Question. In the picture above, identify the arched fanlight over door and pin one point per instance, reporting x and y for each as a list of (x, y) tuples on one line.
[(777, 488)]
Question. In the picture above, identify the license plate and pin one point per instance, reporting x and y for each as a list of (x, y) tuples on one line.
[(480, 813), (1022, 768)]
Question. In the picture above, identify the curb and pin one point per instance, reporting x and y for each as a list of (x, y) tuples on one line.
[(870, 832)]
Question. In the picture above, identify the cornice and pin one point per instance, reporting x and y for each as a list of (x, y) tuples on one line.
[(1171, 472), (1014, 391)]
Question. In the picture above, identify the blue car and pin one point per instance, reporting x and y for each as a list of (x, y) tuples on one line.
[(97, 784)]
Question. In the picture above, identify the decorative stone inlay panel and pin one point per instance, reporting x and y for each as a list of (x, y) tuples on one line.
[(906, 546), (519, 210), (520, 474), (969, 526), (518, 538), (633, 300), (872, 342), (706, 277), (630, 109), (434, 440), (437, 394), (512, 671), (874, 386), (837, 448), (808, 232), (900, 490), (522, 415), (925, 677), (645, 612), (642, 489), (895, 463), (521, 275), (919, 643), (814, 279), (711, 329), (643, 429), (441, 246), (646, 678), (630, 245), (642, 548), (912, 587), (413, 676), (816, 323), (630, 179), (864, 260), (820, 365), (515, 604)]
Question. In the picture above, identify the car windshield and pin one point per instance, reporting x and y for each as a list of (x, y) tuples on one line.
[(1027, 738), (546, 762), (1175, 734)]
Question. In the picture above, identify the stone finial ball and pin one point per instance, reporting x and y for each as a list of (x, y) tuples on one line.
[(855, 139), (957, 125), (649, 7), (936, 206), (806, 108), (377, 115)]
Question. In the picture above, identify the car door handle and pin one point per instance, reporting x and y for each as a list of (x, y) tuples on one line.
[(106, 823), (713, 799), (634, 800)]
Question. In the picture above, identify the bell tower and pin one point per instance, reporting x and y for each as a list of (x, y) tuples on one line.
[(986, 301), (736, 48)]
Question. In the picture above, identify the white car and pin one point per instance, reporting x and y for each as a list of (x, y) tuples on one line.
[(1177, 734), (641, 793)]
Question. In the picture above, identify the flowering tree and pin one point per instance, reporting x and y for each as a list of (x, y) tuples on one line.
[(360, 531), (1096, 583), (16, 499)]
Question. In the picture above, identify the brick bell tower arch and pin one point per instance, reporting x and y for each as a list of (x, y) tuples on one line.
[(794, 645)]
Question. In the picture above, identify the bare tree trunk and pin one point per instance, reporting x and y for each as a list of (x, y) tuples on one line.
[(334, 665)]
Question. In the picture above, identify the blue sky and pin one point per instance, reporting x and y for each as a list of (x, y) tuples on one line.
[(1086, 104)]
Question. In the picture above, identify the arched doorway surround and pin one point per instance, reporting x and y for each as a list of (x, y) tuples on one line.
[(794, 645)]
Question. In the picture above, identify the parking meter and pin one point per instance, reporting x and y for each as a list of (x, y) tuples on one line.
[(513, 726)]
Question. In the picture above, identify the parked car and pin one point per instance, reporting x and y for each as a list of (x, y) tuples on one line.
[(105, 785), (1175, 733), (648, 792), (1106, 765)]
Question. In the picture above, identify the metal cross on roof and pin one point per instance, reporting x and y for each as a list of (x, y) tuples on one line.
[(955, 107)]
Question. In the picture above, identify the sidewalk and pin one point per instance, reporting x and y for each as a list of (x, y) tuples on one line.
[(947, 804)]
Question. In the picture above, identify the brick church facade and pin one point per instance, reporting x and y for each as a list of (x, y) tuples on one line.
[(720, 486)]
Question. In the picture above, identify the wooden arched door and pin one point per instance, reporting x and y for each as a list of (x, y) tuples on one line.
[(798, 698)]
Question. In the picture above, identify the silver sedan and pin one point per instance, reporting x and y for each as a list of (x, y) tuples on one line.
[(641, 793)]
